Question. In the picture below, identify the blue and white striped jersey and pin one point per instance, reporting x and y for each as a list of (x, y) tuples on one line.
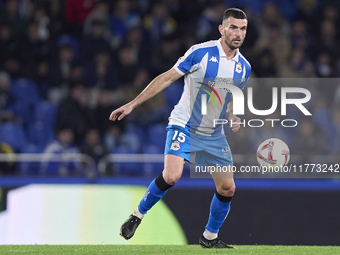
[(206, 69)]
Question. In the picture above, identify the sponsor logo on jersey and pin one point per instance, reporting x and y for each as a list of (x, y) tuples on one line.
[(213, 59), (210, 94)]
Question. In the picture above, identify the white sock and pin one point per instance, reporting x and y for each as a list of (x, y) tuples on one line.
[(209, 235), (138, 214)]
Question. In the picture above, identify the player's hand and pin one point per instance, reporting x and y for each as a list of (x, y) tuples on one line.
[(234, 119), (121, 112)]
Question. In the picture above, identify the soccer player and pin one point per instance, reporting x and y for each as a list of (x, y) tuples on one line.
[(192, 129)]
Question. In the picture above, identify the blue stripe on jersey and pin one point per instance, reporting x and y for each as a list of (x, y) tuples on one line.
[(237, 80), (246, 64), (218, 128), (195, 57), (210, 73)]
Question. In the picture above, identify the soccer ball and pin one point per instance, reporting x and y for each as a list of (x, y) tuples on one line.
[(273, 153)]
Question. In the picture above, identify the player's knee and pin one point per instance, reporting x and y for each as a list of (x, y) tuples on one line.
[(226, 190), (171, 178), (232, 190)]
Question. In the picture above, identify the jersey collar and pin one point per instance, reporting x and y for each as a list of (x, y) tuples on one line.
[(222, 54)]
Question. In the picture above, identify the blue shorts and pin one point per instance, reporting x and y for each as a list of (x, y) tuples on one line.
[(209, 150)]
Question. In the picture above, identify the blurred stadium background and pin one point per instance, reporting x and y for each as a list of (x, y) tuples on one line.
[(66, 64)]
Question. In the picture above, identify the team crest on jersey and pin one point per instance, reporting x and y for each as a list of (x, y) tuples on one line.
[(175, 146), (239, 67)]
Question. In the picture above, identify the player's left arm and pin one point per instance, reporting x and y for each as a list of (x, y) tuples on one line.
[(233, 119)]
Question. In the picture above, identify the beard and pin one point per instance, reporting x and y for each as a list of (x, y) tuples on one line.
[(230, 45)]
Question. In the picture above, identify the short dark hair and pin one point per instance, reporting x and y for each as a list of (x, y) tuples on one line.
[(235, 13)]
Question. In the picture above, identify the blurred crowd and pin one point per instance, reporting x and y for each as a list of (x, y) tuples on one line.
[(66, 64)]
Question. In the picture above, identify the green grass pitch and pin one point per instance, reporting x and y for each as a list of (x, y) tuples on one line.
[(165, 249)]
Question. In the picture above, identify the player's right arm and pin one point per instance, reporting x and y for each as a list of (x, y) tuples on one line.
[(155, 86)]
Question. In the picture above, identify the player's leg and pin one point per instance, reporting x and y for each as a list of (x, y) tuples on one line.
[(177, 149), (218, 155), (219, 209), (173, 168), (220, 206)]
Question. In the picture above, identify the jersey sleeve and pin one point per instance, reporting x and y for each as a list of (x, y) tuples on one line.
[(187, 63)]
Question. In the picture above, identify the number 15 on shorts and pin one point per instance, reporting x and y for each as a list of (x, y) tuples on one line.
[(180, 136)]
